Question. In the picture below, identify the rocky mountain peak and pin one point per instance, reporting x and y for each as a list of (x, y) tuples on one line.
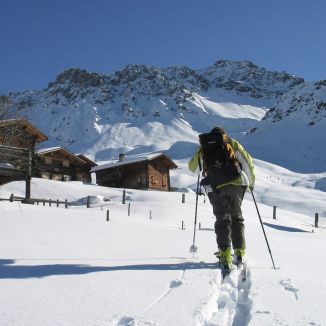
[(78, 77), (246, 77)]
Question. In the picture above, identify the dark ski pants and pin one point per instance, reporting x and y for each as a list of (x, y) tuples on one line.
[(229, 226)]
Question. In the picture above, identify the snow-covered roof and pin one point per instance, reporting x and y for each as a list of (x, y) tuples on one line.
[(48, 149), (56, 149), (132, 159), (86, 159)]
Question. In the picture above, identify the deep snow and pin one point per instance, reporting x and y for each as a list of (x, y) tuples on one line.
[(72, 267)]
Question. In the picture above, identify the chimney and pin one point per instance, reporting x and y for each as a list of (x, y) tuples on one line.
[(121, 157)]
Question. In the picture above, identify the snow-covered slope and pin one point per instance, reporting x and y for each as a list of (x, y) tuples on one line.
[(72, 267), (292, 133)]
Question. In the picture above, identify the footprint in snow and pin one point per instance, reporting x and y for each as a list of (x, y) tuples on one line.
[(175, 284), (123, 321), (128, 321), (289, 287)]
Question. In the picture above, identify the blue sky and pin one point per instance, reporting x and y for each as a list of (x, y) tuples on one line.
[(41, 38)]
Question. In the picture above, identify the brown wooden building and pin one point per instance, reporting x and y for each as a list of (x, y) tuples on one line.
[(20, 133), (17, 137), (138, 172), (57, 163)]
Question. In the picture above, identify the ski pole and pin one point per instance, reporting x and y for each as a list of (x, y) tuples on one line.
[(193, 248), (262, 225)]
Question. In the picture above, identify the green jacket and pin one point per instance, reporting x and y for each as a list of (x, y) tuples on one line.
[(247, 177)]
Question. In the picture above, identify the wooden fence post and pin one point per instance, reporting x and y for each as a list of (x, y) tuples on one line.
[(199, 226), (108, 215), (11, 197), (57, 202), (150, 215), (43, 202), (50, 203), (124, 196), (182, 225), (129, 209), (316, 220), (88, 201), (274, 212), (66, 203), (183, 198)]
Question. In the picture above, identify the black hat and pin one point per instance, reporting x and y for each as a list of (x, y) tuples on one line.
[(219, 129)]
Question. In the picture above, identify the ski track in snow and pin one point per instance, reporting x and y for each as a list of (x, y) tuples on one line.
[(173, 284), (130, 321), (230, 303)]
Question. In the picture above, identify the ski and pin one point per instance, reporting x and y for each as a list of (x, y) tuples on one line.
[(225, 272), (240, 266)]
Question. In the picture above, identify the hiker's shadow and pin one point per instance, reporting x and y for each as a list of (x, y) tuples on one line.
[(8, 270), (285, 228)]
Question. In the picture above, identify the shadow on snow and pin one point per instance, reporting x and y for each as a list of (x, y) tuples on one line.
[(10, 271), (284, 228)]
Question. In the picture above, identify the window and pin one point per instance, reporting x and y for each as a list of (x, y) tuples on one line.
[(46, 175), (66, 163), (66, 177), (141, 181), (56, 162), (57, 177)]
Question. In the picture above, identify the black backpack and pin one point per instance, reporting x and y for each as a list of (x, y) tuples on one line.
[(220, 164)]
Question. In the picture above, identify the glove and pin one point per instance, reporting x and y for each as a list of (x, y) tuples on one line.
[(204, 182)]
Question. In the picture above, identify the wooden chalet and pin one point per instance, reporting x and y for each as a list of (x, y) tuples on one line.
[(57, 163), (18, 138), (138, 172)]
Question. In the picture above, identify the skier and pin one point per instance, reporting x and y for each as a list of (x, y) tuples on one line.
[(226, 178)]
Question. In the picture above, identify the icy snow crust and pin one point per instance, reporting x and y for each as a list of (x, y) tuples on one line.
[(72, 267)]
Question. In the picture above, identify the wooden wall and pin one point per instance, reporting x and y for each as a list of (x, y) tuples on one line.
[(133, 176), (56, 166), (141, 175), (18, 158), (158, 176), (16, 135)]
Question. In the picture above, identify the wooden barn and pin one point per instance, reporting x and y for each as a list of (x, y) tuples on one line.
[(57, 163), (137, 172)]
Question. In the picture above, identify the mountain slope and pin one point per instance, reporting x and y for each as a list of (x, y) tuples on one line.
[(143, 108), (292, 133)]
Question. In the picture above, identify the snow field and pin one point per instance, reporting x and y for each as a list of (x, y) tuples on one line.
[(80, 269)]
